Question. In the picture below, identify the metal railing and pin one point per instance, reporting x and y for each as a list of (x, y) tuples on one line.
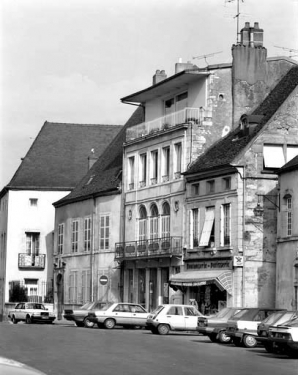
[(149, 248), (184, 116), (32, 261)]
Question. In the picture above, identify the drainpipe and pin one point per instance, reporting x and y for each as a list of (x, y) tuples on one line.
[(92, 248)]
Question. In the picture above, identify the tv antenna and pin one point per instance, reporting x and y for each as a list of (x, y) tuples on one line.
[(237, 15), (290, 50), (205, 56)]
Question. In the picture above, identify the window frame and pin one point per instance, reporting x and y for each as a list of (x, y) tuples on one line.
[(104, 232), (225, 233), (75, 236), (87, 234), (60, 246), (143, 170)]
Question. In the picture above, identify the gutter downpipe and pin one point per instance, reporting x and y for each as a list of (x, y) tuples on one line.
[(92, 248)]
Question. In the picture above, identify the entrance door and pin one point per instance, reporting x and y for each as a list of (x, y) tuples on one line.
[(153, 289), (165, 284), (142, 287)]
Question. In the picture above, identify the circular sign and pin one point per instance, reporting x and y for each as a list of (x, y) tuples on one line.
[(103, 280)]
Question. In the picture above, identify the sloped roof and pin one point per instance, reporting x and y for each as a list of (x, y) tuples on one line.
[(58, 158), (223, 152), (289, 166), (104, 176)]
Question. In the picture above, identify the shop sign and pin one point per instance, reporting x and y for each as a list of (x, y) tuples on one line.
[(210, 265), (238, 261)]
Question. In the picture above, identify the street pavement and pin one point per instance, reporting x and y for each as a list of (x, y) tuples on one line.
[(65, 349)]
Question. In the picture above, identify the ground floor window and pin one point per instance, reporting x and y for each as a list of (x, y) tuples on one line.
[(208, 298)]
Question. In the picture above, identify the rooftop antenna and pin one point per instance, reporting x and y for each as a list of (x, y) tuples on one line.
[(237, 15), (290, 50), (205, 56)]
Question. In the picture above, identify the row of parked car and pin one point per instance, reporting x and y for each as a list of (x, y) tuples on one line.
[(275, 329)]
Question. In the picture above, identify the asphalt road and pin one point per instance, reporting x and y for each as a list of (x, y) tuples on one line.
[(66, 349)]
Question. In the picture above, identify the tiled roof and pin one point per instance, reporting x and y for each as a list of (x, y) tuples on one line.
[(289, 166), (224, 151), (105, 175), (58, 157)]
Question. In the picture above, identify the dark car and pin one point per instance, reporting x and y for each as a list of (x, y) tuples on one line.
[(242, 327), (214, 327), (80, 315), (278, 318)]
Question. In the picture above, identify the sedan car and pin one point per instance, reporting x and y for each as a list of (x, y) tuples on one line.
[(275, 319), (31, 312), (215, 327), (119, 314), (80, 315), (285, 337), (242, 327), (172, 317)]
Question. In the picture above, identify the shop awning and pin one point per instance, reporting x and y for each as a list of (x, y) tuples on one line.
[(223, 279)]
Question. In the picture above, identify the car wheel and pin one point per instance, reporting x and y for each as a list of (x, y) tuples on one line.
[(269, 348), (237, 341), (223, 338), (79, 324), (163, 329), (28, 319), (88, 323), (109, 323), (249, 341), (212, 337), (13, 319)]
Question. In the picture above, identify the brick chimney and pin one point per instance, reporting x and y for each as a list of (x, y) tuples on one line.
[(249, 71), (159, 76)]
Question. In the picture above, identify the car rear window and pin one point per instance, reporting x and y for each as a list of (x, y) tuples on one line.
[(273, 317), (157, 310), (246, 313)]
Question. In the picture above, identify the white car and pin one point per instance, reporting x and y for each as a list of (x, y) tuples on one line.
[(121, 314), (173, 317), (285, 337), (31, 312), (12, 367)]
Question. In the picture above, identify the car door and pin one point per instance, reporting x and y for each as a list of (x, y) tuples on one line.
[(191, 318), (174, 316), (139, 315), (122, 314), (22, 311), (17, 310)]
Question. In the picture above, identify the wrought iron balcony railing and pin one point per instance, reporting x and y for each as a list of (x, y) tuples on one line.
[(149, 248), (184, 116), (32, 261)]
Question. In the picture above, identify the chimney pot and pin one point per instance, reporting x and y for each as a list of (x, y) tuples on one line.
[(159, 76)]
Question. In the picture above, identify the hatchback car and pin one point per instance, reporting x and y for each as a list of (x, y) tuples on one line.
[(242, 327), (171, 317), (80, 315), (215, 327), (31, 312), (277, 318), (120, 314), (285, 337)]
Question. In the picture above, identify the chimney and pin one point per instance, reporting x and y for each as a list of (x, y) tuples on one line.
[(249, 71), (159, 76), (91, 158), (180, 66)]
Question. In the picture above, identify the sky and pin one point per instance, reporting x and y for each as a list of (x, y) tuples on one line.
[(71, 61)]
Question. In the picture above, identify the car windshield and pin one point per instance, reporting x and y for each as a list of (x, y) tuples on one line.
[(292, 323), (240, 314), (273, 318), (87, 306), (157, 310), (222, 313)]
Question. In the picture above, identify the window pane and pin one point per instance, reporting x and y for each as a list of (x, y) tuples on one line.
[(207, 228), (273, 156)]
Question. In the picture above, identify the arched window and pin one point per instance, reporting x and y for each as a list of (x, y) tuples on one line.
[(165, 220), (153, 222), (142, 223)]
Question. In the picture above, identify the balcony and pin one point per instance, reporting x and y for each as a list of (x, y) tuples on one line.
[(153, 248), (185, 116), (32, 261)]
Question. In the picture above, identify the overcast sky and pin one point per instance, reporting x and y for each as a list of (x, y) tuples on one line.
[(72, 60)]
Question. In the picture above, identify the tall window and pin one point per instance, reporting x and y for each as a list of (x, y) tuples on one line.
[(143, 170), (104, 232), (166, 164), (154, 222), (87, 234), (73, 287), (177, 160), (194, 228), (207, 235), (289, 216), (165, 221), (32, 243), (210, 186), (131, 172), (225, 225), (60, 238), (154, 167), (74, 236), (86, 285), (143, 224)]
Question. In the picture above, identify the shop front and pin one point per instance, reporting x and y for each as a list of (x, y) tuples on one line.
[(207, 284)]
